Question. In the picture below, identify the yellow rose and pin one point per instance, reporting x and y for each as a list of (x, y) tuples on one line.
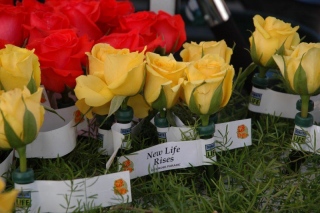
[(193, 51), (209, 85), (19, 67), (124, 73), (98, 56), (164, 76), (21, 117), (269, 36), (301, 69), (92, 93), (7, 199)]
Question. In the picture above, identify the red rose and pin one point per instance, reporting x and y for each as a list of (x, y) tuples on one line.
[(133, 41), (140, 21), (111, 10), (33, 5), (6, 2), (44, 23), (11, 21), (61, 55), (82, 15), (172, 29)]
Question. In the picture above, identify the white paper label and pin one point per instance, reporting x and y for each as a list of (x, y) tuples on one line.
[(177, 154), (306, 139), (56, 137), (267, 101), (107, 141), (67, 196), (162, 134), (168, 6)]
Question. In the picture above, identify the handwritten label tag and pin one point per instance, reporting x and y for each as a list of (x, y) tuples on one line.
[(66, 196), (267, 101)]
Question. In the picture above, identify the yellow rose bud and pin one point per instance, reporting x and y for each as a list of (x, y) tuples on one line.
[(21, 117), (301, 69), (193, 51), (209, 85), (164, 76), (98, 56), (19, 67), (269, 37), (124, 73), (7, 199), (93, 92)]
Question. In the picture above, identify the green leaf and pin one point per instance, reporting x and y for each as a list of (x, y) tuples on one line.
[(253, 53), (49, 109), (32, 86), (300, 83), (242, 76), (216, 99), (29, 127), (171, 118), (192, 103), (161, 101), (286, 79), (115, 104), (12, 137)]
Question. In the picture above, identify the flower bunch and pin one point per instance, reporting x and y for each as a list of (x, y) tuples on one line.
[(114, 74), (271, 36), (117, 76), (300, 69), (209, 77), (146, 28), (21, 112), (62, 31)]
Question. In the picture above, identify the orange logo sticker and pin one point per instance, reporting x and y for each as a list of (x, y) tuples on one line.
[(242, 131), (127, 165), (120, 187)]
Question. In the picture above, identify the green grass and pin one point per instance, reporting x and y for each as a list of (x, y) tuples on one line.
[(257, 178)]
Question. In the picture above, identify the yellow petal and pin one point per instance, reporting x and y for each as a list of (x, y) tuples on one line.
[(102, 110), (140, 107), (7, 201), (118, 66), (93, 90), (259, 22), (84, 108), (96, 67), (311, 64), (2, 185), (280, 62), (188, 88), (129, 84), (203, 95), (153, 84), (172, 93), (227, 87)]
